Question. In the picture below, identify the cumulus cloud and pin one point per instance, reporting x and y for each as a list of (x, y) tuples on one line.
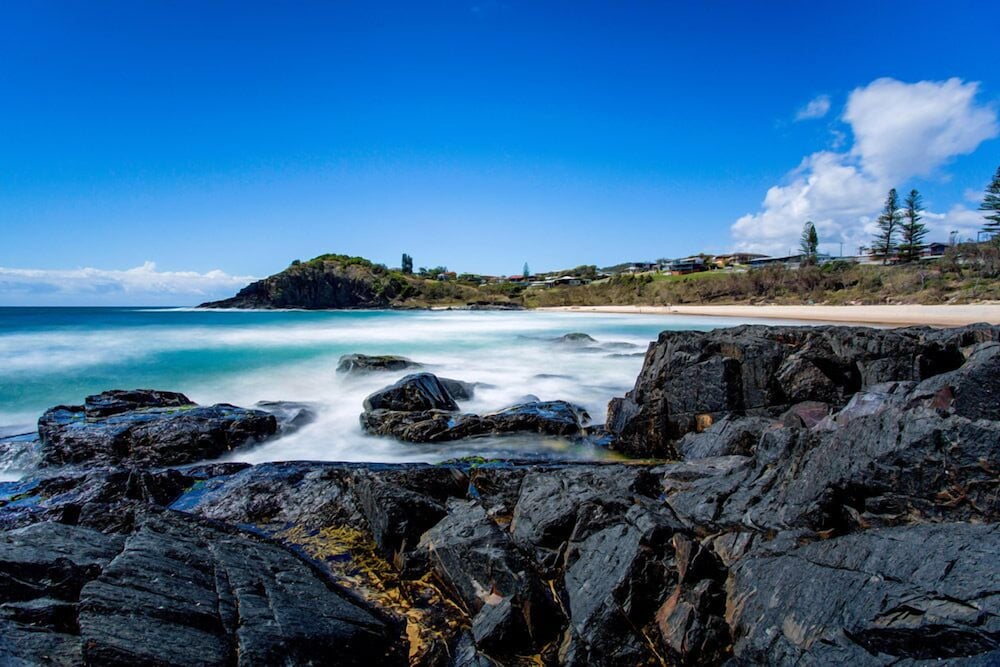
[(817, 108), (900, 131), (142, 285)]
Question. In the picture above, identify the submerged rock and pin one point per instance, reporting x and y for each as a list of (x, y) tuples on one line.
[(290, 415), (460, 390), (140, 430), (363, 363), (576, 338)]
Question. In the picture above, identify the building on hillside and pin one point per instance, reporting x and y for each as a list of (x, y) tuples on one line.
[(640, 267), (790, 261), (933, 250), (686, 265), (723, 261)]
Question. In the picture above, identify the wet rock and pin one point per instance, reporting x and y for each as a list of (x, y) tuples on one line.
[(510, 610), (117, 401), (420, 391), (399, 508), (806, 414), (19, 452), (103, 499), (691, 377), (459, 390), (363, 363), (148, 435), (575, 339), (918, 593), (290, 415), (184, 591), (557, 418), (728, 436), (890, 462)]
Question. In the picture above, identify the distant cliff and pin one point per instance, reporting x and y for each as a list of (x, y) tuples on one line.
[(342, 282)]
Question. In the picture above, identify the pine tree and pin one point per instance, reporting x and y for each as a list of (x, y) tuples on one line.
[(407, 264), (888, 227), (809, 243), (912, 231), (525, 272), (991, 205)]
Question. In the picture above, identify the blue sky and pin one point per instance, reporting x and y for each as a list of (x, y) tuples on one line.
[(145, 145)]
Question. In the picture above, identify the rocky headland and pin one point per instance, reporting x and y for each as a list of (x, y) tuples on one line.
[(821, 495), (339, 282)]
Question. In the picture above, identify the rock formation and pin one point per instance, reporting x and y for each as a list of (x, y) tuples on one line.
[(828, 510)]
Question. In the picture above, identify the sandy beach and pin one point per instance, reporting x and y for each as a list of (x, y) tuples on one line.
[(905, 315)]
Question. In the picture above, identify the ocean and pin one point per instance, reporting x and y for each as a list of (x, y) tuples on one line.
[(53, 356)]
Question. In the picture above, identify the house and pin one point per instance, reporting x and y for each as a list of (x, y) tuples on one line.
[(640, 267), (567, 280), (790, 261), (686, 265), (933, 250), (723, 261)]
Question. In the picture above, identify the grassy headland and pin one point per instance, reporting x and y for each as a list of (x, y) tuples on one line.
[(967, 273)]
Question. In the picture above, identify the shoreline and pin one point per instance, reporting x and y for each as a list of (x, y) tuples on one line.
[(891, 315)]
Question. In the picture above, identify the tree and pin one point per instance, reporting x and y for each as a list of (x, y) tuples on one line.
[(912, 231), (888, 227), (991, 205), (809, 243), (525, 272), (407, 264)]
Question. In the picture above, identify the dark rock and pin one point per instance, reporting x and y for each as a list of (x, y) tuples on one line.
[(413, 393), (556, 418), (694, 377), (896, 458), (326, 282), (918, 593), (806, 414), (149, 435), (459, 390), (117, 401), (363, 363), (728, 436), (510, 610), (575, 339), (290, 415), (217, 594)]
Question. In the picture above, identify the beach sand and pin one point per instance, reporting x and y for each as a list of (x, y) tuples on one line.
[(938, 316)]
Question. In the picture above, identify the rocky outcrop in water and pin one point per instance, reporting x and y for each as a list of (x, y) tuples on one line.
[(146, 427), (861, 529), (363, 363)]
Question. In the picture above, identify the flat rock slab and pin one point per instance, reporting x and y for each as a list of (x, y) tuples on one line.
[(177, 591)]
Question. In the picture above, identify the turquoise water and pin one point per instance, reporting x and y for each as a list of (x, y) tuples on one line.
[(51, 356)]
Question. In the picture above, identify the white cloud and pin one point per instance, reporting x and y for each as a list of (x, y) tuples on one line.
[(817, 108), (142, 285), (900, 131)]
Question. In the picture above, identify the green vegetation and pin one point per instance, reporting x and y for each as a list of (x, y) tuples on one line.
[(912, 231), (967, 273), (991, 205), (809, 242), (888, 228)]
